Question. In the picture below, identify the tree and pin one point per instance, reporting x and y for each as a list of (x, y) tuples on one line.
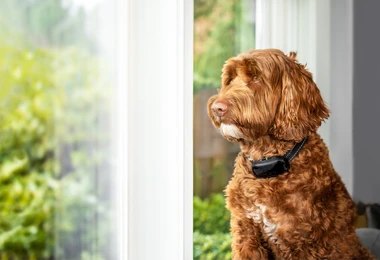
[(222, 30)]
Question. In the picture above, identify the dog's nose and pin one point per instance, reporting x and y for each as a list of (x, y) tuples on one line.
[(219, 108)]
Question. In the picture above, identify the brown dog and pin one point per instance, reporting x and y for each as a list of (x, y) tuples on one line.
[(287, 207)]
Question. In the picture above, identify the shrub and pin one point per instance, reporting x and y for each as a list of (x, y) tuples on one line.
[(51, 147), (211, 215), (221, 31), (211, 247), (211, 228), (28, 187)]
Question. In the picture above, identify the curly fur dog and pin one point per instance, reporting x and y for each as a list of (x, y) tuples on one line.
[(267, 103)]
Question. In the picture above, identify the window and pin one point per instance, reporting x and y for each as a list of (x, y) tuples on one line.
[(56, 90)]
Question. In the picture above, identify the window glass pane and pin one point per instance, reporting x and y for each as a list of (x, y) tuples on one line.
[(222, 29), (55, 90)]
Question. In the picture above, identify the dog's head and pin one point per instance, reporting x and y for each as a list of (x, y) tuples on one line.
[(265, 92)]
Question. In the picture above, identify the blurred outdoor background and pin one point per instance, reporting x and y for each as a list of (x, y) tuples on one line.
[(337, 41), (54, 131), (222, 29)]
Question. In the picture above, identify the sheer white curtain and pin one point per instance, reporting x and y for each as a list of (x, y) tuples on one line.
[(301, 26), (314, 29), (289, 25), (296, 25)]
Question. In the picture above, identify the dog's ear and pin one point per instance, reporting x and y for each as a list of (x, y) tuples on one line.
[(301, 109), (293, 56), (229, 71)]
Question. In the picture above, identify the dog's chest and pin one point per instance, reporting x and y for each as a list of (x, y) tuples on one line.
[(259, 214)]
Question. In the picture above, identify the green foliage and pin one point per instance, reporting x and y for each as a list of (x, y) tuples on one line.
[(211, 215), (212, 247), (54, 137), (211, 228), (221, 31), (50, 150), (203, 8), (27, 182)]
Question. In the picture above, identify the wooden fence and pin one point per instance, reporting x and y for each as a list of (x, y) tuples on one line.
[(213, 155)]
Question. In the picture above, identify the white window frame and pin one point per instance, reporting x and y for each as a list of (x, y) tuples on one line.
[(153, 153), (153, 129)]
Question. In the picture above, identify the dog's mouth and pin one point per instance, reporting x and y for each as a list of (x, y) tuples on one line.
[(231, 131), (219, 120)]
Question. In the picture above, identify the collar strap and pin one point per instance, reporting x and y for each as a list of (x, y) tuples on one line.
[(276, 165)]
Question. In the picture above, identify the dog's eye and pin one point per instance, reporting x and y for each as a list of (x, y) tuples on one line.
[(255, 80)]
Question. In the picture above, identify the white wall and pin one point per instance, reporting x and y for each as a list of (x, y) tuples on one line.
[(366, 95)]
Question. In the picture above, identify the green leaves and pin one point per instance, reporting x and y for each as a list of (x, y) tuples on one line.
[(210, 215), (53, 141), (27, 186), (54, 134), (216, 39), (211, 229), (222, 30), (5, 236), (210, 247)]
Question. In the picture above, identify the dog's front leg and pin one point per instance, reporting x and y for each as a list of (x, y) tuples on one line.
[(246, 240)]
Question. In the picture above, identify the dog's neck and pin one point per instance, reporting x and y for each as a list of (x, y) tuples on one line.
[(265, 146)]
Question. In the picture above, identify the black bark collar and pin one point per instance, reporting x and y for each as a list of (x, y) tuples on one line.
[(276, 165)]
